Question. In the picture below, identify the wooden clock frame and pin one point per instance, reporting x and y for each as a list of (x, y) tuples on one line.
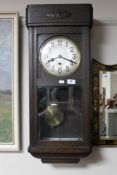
[(74, 21)]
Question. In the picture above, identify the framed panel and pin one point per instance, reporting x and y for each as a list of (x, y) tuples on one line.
[(9, 82), (104, 104)]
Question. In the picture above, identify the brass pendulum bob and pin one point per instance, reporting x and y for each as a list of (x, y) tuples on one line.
[(53, 115)]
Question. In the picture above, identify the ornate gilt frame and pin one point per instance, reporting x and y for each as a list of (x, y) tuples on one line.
[(96, 67)]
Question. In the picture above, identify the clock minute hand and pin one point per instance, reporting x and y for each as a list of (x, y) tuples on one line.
[(69, 60)]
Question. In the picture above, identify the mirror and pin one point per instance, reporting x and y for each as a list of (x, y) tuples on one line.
[(104, 104)]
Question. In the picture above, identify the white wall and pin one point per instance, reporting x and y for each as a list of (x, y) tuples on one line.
[(103, 161)]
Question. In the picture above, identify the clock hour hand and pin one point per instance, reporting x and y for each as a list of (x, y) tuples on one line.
[(69, 60), (52, 59)]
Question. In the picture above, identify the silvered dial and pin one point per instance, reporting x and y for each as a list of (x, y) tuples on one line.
[(60, 56)]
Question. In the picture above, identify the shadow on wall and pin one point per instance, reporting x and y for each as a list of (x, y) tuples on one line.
[(101, 44), (94, 158), (98, 38)]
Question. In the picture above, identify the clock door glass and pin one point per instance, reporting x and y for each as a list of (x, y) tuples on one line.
[(60, 113), (59, 56)]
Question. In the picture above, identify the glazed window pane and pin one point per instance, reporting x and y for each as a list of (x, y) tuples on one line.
[(60, 114)]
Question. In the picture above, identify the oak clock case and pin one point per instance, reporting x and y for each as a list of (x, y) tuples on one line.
[(60, 117)]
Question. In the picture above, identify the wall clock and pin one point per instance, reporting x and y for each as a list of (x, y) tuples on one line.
[(60, 90)]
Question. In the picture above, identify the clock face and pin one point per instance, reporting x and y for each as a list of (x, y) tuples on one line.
[(60, 56)]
